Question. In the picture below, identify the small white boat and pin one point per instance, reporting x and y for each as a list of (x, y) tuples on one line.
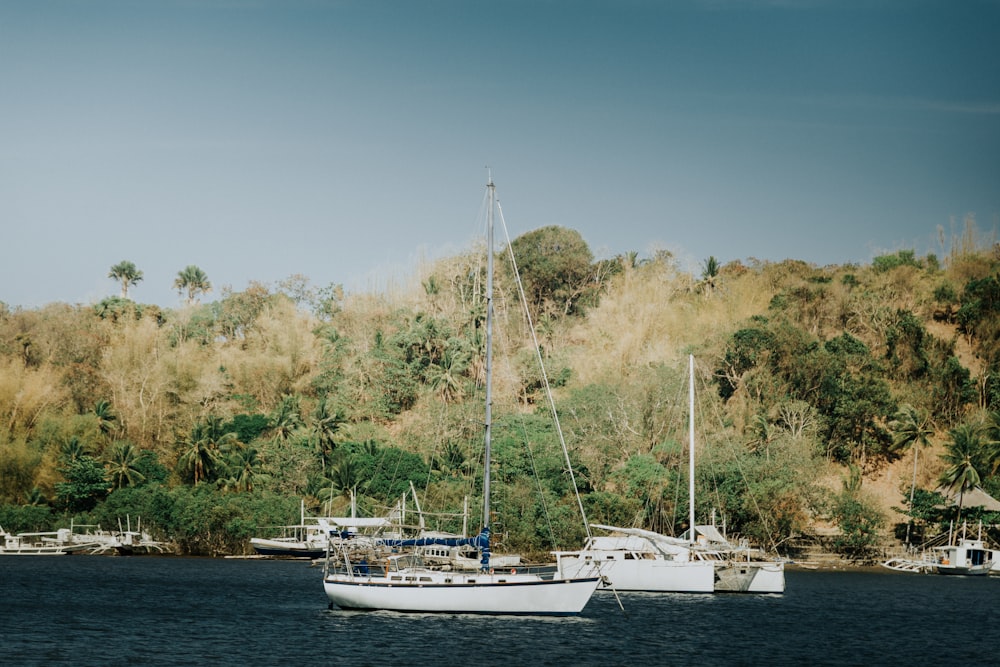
[(29, 544), (968, 557), (959, 556)]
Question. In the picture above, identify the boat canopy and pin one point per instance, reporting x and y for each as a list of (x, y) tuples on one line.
[(480, 542)]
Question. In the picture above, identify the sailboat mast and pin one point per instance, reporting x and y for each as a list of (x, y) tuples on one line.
[(691, 446), (489, 353)]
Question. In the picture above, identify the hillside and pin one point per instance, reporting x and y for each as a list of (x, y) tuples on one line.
[(214, 419)]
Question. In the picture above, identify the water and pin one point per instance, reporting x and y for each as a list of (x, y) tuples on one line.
[(95, 610)]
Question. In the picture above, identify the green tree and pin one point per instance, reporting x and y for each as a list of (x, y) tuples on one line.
[(709, 276), (287, 418), (244, 470), (123, 465), (105, 417), (910, 431), (555, 265), (963, 454), (859, 521), (327, 421), (192, 281), (86, 484), (202, 450), (127, 274)]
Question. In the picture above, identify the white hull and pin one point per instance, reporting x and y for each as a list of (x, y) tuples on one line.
[(661, 576), (32, 551), (750, 577), (438, 592)]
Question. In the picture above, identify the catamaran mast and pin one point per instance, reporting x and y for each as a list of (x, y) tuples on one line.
[(489, 352), (691, 447)]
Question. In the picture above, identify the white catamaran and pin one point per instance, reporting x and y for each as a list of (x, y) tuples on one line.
[(404, 582), (701, 561)]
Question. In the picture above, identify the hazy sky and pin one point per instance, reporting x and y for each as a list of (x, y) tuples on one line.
[(345, 139)]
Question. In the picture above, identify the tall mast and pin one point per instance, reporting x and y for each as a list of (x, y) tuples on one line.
[(489, 352), (691, 446)]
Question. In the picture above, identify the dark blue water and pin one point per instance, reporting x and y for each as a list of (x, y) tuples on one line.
[(95, 610)]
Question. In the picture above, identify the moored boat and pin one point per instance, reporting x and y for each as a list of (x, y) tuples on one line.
[(404, 582)]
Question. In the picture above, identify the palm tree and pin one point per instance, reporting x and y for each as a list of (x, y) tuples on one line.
[(710, 275), (964, 451), (446, 376), (194, 281), (121, 467), (202, 450), (910, 430), (244, 468), (326, 423), (72, 449), (287, 418), (127, 274), (105, 416)]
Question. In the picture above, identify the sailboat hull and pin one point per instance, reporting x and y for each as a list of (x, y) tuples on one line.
[(524, 595)]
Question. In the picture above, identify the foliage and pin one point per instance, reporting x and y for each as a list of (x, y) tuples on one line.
[(859, 521), (86, 484), (228, 413), (555, 266)]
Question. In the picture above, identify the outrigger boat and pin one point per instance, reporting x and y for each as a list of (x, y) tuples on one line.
[(964, 556)]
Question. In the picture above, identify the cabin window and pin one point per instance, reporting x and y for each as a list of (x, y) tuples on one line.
[(425, 578), (630, 556)]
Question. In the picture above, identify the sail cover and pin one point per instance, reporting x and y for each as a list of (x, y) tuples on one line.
[(480, 542)]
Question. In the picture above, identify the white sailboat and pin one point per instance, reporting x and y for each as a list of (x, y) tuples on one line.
[(405, 583), (702, 561)]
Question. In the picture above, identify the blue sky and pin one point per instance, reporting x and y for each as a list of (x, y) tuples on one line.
[(345, 140)]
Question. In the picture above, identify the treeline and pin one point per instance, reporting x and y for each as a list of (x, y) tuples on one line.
[(212, 421)]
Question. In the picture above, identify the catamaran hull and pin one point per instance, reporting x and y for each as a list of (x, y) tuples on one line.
[(657, 576), (493, 596), (750, 578)]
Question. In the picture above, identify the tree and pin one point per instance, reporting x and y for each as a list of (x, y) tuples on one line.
[(287, 418), (326, 422), (85, 485), (127, 274), (244, 466), (709, 275), (105, 416), (858, 518), (963, 456), (910, 430), (202, 450), (194, 281), (555, 265), (123, 465)]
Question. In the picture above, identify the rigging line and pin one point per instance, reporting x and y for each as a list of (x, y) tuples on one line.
[(541, 364)]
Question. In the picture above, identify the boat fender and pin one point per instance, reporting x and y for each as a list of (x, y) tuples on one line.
[(513, 570)]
